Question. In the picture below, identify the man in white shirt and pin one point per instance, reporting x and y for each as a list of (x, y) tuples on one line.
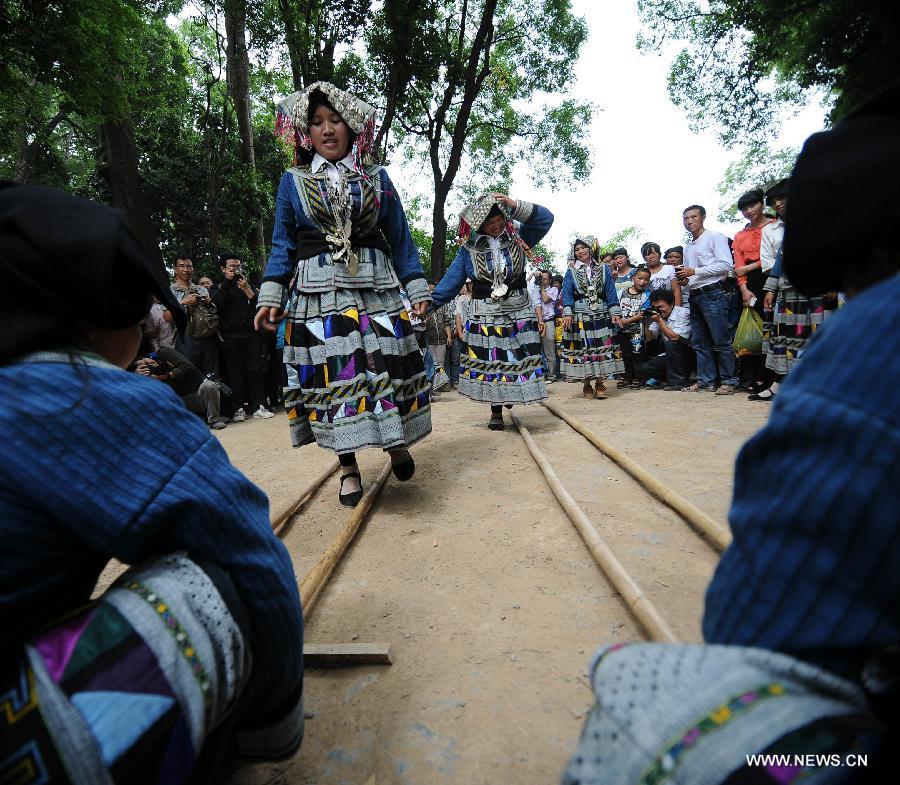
[(707, 262), (543, 295), (674, 323)]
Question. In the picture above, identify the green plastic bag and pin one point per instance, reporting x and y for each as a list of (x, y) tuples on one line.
[(748, 338)]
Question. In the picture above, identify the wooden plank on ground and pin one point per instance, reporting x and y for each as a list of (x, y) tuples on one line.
[(338, 655)]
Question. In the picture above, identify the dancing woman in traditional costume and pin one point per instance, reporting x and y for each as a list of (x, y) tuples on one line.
[(590, 308), (502, 363), (356, 377)]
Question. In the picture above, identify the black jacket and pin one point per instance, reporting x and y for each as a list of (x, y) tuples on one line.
[(236, 312)]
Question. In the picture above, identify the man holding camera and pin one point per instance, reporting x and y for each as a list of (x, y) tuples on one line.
[(201, 395), (673, 322), (245, 352), (200, 342)]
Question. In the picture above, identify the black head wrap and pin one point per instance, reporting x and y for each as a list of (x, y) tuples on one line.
[(65, 260), (779, 189), (844, 208), (750, 198)]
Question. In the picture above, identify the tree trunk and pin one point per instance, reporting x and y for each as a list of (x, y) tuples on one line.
[(238, 70), (294, 42), (120, 169)]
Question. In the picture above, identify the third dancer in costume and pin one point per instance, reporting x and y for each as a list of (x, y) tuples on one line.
[(590, 308), (341, 232), (502, 362)]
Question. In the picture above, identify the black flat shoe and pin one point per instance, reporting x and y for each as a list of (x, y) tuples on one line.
[(350, 499), (762, 395), (404, 470), (496, 422)]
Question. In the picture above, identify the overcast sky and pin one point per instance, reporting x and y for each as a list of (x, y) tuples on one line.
[(647, 165)]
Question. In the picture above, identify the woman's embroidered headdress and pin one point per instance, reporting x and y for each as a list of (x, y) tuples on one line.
[(292, 120), (585, 239)]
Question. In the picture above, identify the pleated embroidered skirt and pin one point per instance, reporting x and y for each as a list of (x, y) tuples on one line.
[(356, 377), (794, 321), (589, 348), (502, 361)]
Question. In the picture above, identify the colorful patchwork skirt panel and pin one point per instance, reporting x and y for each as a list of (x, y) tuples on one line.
[(127, 689), (589, 350), (502, 361), (356, 377), (795, 320)]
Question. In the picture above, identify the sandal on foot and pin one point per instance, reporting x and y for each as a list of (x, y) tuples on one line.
[(350, 499), (404, 470)]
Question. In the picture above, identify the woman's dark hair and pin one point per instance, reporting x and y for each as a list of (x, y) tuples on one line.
[(679, 249), (662, 294), (620, 252), (648, 247), (750, 198)]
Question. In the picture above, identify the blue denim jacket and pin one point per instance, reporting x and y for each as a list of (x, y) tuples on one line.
[(290, 217)]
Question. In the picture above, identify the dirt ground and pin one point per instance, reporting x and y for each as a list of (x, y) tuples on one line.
[(473, 574)]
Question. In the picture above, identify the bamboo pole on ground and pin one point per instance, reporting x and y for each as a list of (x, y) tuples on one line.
[(699, 520), (279, 521), (638, 603), (314, 581)]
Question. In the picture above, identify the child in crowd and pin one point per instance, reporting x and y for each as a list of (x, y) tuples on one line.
[(634, 302)]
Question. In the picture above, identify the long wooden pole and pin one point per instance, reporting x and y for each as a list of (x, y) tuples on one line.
[(314, 581), (699, 520), (640, 605), (292, 509)]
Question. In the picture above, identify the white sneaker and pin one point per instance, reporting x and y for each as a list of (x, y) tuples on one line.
[(239, 416), (263, 413)]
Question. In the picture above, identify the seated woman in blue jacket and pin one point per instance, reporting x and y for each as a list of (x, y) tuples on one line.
[(197, 650)]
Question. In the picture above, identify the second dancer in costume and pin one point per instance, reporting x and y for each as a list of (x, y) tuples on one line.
[(590, 308), (502, 363)]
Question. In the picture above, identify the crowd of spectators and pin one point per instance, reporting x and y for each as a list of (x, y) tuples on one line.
[(221, 367), (681, 308)]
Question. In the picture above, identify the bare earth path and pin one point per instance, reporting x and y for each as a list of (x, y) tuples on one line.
[(473, 574)]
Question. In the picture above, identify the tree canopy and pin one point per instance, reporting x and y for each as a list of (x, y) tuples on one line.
[(742, 60), (165, 109)]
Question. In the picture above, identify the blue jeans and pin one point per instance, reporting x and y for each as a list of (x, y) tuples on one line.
[(710, 337), (429, 364)]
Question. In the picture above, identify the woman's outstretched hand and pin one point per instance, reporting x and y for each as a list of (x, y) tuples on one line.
[(267, 318)]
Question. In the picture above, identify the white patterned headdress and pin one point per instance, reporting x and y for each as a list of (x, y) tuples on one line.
[(293, 126)]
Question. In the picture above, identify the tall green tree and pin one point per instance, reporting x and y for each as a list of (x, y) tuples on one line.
[(742, 60), (462, 109)]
